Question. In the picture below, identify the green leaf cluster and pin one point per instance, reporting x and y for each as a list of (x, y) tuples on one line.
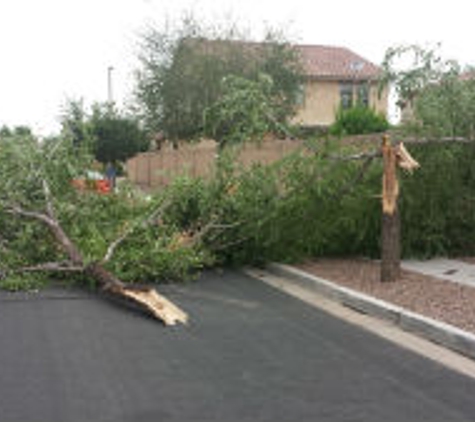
[(358, 120)]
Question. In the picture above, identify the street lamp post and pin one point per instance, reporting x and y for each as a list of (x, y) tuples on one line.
[(110, 97)]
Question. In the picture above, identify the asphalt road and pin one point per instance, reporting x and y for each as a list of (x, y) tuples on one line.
[(251, 353)]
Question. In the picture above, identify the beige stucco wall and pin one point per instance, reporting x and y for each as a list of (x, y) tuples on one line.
[(322, 99)]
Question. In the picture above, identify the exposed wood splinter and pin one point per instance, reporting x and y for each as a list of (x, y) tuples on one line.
[(158, 305)]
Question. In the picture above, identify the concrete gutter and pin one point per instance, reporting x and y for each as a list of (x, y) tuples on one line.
[(439, 332)]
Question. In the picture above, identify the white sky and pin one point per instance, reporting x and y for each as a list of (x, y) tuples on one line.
[(57, 49)]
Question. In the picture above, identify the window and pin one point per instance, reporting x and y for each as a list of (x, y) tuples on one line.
[(300, 95), (346, 95), (362, 92), (354, 93)]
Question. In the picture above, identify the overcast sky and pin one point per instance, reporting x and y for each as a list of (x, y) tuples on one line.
[(57, 49)]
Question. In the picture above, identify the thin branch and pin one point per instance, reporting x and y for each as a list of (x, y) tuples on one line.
[(429, 141), (150, 219), (355, 157), (49, 200), (113, 246), (68, 246), (51, 266), (16, 210)]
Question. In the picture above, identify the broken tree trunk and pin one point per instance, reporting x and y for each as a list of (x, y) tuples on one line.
[(146, 297), (393, 157), (390, 227), (391, 246)]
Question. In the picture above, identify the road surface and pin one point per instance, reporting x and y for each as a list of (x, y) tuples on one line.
[(251, 353)]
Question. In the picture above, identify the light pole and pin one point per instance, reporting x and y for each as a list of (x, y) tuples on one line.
[(110, 98)]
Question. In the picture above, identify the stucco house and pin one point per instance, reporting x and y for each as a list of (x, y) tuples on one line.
[(336, 77), (333, 77)]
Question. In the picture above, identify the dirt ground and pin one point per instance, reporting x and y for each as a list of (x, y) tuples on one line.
[(439, 299)]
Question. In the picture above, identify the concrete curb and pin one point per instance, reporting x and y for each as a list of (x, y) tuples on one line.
[(439, 332)]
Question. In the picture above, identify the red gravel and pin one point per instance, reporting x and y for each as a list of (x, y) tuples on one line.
[(438, 299)]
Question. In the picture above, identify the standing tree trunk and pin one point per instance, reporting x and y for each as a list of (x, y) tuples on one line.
[(390, 227), (391, 246)]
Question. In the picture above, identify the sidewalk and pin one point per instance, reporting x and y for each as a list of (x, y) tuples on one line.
[(444, 269)]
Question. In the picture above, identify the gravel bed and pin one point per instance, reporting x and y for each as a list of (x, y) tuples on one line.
[(438, 299)]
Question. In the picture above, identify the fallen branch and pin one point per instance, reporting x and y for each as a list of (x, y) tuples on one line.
[(159, 306)]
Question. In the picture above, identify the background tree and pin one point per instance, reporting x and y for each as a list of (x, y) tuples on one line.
[(244, 111), (182, 69), (412, 68), (115, 137), (108, 134), (439, 95), (74, 122), (447, 109)]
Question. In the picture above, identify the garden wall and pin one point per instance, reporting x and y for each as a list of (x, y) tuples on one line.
[(159, 168)]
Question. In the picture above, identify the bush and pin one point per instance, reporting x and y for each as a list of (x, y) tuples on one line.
[(437, 201), (358, 120)]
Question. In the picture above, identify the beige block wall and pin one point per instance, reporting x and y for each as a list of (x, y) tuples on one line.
[(159, 168), (322, 99), (379, 101)]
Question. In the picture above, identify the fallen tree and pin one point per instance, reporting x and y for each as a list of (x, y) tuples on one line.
[(40, 208)]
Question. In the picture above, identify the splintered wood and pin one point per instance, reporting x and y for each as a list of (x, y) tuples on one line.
[(158, 305), (393, 157), (405, 160), (390, 181)]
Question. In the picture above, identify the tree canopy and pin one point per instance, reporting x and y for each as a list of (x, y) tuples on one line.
[(182, 71), (109, 134)]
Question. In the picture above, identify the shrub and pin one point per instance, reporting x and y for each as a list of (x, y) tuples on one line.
[(358, 120)]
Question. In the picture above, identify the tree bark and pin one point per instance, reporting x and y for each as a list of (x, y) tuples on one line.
[(390, 225), (391, 246)]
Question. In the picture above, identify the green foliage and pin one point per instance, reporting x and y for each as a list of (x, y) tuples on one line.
[(17, 282), (115, 137), (285, 211), (74, 123), (310, 205), (110, 135), (358, 120), (448, 108), (243, 112), (411, 68), (307, 204), (437, 201), (150, 251), (182, 69)]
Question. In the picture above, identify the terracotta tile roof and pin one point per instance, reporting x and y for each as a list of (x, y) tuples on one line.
[(469, 75), (326, 62), (318, 61)]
